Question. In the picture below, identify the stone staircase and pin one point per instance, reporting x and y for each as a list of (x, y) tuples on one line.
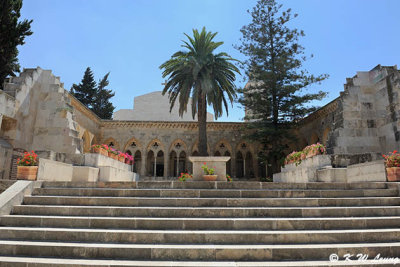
[(201, 224)]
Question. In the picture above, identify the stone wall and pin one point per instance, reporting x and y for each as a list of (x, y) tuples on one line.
[(362, 122), (175, 141)]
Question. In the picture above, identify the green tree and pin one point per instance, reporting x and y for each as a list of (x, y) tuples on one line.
[(85, 91), (12, 34), (274, 96), (206, 77), (102, 105)]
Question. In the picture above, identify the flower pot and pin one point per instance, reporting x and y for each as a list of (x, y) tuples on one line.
[(113, 156), (210, 177), (121, 158), (27, 172), (393, 174), (100, 151)]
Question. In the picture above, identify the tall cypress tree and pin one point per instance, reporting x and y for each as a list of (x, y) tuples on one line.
[(274, 97), (102, 105), (12, 34), (85, 91)]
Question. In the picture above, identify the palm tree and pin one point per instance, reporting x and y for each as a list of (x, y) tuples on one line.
[(205, 77)]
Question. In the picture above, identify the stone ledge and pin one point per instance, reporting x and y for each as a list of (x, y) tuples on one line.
[(97, 160), (111, 174), (14, 195), (218, 163), (50, 170), (85, 174)]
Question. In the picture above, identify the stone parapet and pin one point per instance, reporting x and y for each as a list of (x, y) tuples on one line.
[(111, 174), (98, 160), (305, 172)]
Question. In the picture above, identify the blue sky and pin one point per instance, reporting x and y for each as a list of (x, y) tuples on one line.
[(131, 38)]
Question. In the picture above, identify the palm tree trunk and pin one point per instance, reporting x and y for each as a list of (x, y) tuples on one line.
[(202, 124)]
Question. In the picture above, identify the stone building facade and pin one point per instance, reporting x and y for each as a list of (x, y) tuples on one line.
[(37, 113)]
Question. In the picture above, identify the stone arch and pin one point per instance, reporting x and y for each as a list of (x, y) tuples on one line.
[(155, 145), (174, 146), (133, 145), (244, 160), (325, 135), (86, 142), (222, 146), (112, 141), (314, 138), (94, 141)]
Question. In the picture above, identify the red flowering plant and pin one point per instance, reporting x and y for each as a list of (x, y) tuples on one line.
[(29, 159), (207, 170), (107, 148), (113, 151), (229, 178), (392, 159), (184, 176)]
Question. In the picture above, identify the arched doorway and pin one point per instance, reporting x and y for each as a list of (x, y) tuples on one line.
[(239, 165), (155, 163), (137, 162)]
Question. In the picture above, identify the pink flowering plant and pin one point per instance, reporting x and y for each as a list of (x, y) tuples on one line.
[(207, 170), (319, 148), (392, 159), (129, 158), (294, 157)]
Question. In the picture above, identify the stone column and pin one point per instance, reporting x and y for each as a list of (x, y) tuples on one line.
[(166, 163), (143, 163), (155, 165), (177, 166)]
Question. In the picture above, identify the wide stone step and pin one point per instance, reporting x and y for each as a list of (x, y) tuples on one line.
[(214, 193), (210, 202), (193, 252), (61, 262), (221, 237), (217, 185), (291, 212), (153, 223)]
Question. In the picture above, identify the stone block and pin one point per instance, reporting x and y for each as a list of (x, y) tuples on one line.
[(97, 160), (217, 163), (111, 174), (50, 170), (85, 174), (373, 171), (330, 174)]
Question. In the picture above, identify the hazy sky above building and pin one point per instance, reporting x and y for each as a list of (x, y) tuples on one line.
[(132, 38)]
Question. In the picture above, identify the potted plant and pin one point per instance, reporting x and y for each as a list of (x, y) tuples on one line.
[(99, 149), (209, 173), (184, 176), (228, 178), (112, 153), (27, 166), (392, 162), (121, 156)]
